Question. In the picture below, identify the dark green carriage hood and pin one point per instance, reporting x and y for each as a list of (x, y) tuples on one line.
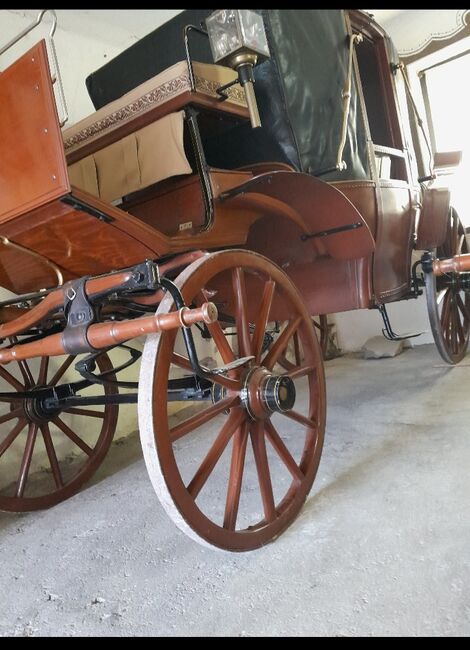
[(299, 91)]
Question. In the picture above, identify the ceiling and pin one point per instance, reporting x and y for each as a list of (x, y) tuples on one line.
[(114, 26)]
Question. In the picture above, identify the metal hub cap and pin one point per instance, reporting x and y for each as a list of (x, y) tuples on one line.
[(264, 393), (35, 409)]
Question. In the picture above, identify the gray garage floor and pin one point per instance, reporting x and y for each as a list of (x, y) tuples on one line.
[(381, 548)]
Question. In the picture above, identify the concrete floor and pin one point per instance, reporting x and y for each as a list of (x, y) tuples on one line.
[(381, 548)]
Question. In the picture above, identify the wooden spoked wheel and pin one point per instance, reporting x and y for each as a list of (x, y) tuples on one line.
[(234, 472), (448, 304), (45, 457)]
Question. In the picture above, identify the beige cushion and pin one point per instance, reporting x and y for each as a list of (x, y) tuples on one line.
[(140, 159)]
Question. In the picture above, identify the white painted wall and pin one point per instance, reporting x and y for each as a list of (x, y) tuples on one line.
[(85, 40)]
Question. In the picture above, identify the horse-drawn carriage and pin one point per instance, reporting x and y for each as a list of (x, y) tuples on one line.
[(166, 214)]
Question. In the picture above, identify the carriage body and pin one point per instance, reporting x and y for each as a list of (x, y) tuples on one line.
[(166, 199)]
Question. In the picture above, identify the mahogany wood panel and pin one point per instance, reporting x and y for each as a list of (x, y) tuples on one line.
[(22, 273), (33, 169)]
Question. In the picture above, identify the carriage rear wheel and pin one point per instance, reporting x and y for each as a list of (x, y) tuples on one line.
[(448, 304), (233, 473), (45, 457)]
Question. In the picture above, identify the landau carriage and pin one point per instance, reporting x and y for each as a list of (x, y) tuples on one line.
[(190, 209)]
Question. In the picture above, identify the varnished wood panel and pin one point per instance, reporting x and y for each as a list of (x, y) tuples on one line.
[(32, 169)]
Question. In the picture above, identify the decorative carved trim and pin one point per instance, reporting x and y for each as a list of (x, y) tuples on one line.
[(437, 40), (155, 97)]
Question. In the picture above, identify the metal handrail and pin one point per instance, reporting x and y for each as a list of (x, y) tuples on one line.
[(56, 76), (30, 28)]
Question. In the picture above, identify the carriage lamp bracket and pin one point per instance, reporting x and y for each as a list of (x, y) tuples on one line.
[(222, 95)]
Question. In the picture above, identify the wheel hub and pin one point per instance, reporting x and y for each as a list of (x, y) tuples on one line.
[(35, 407), (264, 393)]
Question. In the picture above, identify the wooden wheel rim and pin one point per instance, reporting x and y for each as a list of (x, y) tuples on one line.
[(448, 306), (158, 448), (86, 470)]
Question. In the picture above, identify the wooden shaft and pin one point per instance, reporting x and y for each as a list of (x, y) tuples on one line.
[(457, 264), (56, 298), (93, 286), (103, 335)]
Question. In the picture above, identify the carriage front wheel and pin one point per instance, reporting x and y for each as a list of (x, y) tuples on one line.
[(234, 471)]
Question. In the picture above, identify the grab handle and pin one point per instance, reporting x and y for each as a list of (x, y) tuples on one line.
[(56, 76)]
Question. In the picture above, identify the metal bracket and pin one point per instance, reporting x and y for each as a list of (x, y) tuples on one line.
[(79, 314), (76, 204), (86, 366), (388, 332)]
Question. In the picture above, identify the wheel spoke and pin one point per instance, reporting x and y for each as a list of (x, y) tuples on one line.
[(262, 467), (63, 368), (282, 451), (215, 452), (10, 416), (297, 373), (73, 436), (26, 461), (85, 412), (298, 360), (42, 378), (453, 326), (445, 314), (241, 315), (301, 419), (46, 434), (11, 437), (263, 319), (459, 328), (205, 416), (217, 333), (463, 309), (281, 343), (11, 380), (237, 465), (26, 373)]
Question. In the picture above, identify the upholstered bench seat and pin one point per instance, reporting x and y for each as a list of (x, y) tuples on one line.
[(137, 140)]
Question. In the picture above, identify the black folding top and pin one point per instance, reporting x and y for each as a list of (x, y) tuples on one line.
[(299, 90)]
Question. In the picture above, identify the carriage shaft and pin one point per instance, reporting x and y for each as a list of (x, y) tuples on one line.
[(457, 264), (104, 335)]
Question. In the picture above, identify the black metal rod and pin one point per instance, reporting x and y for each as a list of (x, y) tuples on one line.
[(187, 334), (332, 231)]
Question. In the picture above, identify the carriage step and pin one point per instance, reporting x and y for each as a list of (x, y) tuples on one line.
[(388, 332), (221, 370)]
